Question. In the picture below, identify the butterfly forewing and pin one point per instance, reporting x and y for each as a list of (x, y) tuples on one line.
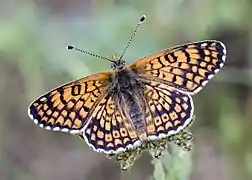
[(68, 107), (170, 110), (187, 67)]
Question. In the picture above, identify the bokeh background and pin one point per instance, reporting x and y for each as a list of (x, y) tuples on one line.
[(33, 59)]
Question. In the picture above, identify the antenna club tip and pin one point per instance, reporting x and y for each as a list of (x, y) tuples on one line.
[(142, 18), (70, 47)]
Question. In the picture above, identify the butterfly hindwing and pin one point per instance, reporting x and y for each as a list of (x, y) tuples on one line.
[(187, 67), (67, 107), (107, 130), (170, 110)]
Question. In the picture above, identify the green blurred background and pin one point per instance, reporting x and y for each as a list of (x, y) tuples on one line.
[(33, 59)]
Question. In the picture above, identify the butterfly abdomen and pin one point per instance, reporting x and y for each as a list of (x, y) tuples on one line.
[(130, 101), (134, 114)]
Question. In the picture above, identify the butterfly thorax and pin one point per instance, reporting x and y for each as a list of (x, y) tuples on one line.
[(128, 94)]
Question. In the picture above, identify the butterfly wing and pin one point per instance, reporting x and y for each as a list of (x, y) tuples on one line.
[(108, 130), (187, 67), (68, 107), (170, 111)]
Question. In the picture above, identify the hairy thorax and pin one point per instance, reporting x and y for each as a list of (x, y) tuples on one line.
[(128, 93)]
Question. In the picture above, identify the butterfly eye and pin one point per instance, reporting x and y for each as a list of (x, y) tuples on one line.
[(113, 66), (122, 63)]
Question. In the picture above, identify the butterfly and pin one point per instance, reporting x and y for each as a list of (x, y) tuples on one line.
[(144, 101)]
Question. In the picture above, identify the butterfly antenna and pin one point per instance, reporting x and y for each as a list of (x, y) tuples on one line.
[(91, 54), (141, 20)]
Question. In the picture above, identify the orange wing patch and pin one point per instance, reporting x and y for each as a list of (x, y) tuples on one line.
[(186, 67), (107, 129), (67, 107)]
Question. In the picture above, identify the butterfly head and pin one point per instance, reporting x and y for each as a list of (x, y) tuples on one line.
[(117, 63)]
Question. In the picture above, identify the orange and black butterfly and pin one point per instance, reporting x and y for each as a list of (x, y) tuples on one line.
[(144, 101)]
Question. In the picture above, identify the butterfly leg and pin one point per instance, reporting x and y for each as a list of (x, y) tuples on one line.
[(80, 136)]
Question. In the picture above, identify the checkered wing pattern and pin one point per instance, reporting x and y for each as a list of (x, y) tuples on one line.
[(187, 67), (108, 130), (170, 111), (68, 107)]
